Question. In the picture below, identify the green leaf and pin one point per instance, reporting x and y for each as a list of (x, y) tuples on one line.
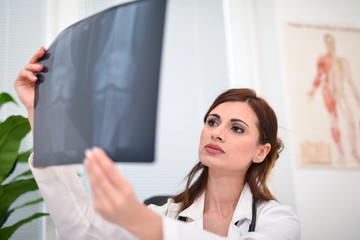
[(5, 97), (13, 190), (5, 217), (5, 233), (24, 156), (29, 203), (24, 174), (12, 131)]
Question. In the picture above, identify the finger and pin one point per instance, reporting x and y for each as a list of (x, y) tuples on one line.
[(25, 74), (101, 200), (108, 166), (102, 189), (39, 54), (34, 67)]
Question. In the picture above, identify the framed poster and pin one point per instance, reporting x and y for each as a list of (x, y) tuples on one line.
[(322, 75)]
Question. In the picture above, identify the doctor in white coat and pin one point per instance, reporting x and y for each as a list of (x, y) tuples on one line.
[(226, 196)]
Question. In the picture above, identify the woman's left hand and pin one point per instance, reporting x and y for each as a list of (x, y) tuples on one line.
[(115, 200)]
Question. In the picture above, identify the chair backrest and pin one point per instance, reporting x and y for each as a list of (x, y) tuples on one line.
[(157, 200)]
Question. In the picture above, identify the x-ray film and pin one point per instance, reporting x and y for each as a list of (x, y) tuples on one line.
[(99, 87)]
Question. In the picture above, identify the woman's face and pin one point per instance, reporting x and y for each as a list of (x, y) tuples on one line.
[(229, 139)]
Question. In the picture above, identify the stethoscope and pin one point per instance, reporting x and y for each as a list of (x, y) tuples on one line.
[(238, 223), (253, 217)]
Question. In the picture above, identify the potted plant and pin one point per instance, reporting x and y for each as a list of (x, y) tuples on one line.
[(12, 131)]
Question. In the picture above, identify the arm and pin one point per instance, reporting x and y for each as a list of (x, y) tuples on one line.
[(25, 83), (74, 216), (116, 202), (70, 207)]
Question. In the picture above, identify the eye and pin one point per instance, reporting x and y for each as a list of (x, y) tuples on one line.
[(237, 129), (212, 122)]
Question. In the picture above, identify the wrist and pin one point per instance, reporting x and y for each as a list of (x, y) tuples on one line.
[(31, 118), (145, 224)]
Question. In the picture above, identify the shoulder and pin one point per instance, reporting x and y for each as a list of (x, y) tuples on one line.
[(169, 209), (278, 219), (273, 207)]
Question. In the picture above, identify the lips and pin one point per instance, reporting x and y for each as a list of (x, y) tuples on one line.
[(214, 149)]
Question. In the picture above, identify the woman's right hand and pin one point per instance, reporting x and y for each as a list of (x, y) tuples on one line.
[(25, 81)]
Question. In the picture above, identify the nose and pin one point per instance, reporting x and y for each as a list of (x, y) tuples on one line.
[(218, 134)]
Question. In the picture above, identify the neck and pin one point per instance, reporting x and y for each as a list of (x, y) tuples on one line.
[(222, 192)]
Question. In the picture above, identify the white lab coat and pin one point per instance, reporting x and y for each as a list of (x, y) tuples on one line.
[(74, 216)]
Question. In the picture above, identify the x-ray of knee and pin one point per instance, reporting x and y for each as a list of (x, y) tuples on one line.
[(100, 85)]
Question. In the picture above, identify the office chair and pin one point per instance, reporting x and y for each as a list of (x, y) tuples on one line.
[(157, 200)]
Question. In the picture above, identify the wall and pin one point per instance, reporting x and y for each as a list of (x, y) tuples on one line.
[(254, 46), (326, 200)]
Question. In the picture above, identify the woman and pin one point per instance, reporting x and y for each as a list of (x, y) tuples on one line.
[(238, 148)]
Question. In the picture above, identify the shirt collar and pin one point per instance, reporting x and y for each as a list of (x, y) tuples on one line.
[(194, 211), (243, 207)]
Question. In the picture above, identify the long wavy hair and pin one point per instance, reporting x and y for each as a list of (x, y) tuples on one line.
[(258, 173)]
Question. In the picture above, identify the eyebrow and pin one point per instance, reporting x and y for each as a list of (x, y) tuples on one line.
[(239, 120), (232, 120), (215, 115)]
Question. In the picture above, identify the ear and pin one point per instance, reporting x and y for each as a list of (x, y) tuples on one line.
[(263, 150)]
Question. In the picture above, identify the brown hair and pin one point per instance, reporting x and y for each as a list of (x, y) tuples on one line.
[(257, 173)]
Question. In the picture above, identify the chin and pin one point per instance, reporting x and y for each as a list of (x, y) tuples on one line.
[(211, 162), (204, 161)]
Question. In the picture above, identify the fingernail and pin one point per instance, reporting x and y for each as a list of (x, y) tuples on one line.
[(95, 149), (88, 153), (45, 69), (34, 78)]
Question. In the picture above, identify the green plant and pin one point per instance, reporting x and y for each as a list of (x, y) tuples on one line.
[(12, 131)]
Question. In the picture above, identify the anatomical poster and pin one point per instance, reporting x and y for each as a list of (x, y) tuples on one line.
[(322, 75)]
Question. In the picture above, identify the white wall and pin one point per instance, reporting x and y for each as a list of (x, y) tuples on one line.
[(61, 14), (254, 45), (326, 201)]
